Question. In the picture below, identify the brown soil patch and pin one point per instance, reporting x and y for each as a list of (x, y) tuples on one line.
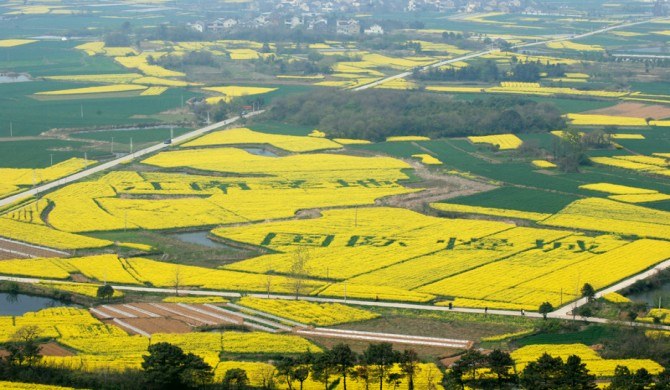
[(636, 110), (426, 352), (20, 250), (159, 325), (54, 349)]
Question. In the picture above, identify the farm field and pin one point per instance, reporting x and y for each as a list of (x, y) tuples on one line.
[(503, 221)]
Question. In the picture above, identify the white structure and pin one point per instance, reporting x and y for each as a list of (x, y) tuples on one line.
[(375, 29), (348, 27)]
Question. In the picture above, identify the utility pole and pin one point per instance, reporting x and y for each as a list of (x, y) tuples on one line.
[(131, 145), (82, 111), (171, 132), (112, 145), (11, 129), (52, 159), (345, 291)]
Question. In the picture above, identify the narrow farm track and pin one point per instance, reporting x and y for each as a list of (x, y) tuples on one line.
[(491, 51), (122, 160)]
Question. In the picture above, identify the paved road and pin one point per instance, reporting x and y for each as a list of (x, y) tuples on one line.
[(559, 314), (486, 52), (113, 163), (563, 311)]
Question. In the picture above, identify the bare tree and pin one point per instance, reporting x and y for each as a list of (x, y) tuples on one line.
[(268, 284), (177, 279), (267, 377), (299, 269)]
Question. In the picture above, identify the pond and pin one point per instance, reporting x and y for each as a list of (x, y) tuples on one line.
[(261, 152), (19, 304), (652, 297), (200, 238)]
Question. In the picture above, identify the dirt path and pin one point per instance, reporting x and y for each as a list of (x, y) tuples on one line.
[(437, 187)]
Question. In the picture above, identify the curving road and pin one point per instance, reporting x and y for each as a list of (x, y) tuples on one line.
[(486, 52), (121, 160)]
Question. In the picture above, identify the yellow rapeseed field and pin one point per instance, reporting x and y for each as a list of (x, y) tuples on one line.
[(15, 42), (506, 213), (608, 120), (548, 272), (407, 138), (114, 78), (640, 198), (153, 91), (605, 215), (503, 141), (427, 159), (574, 46), (42, 235), (96, 90), (319, 314), (369, 235), (243, 136), (596, 364), (230, 92), (616, 189), (543, 164)]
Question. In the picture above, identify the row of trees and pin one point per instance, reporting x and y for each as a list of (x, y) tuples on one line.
[(167, 366), (375, 114), (498, 370)]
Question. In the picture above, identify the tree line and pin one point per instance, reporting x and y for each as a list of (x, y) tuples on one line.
[(377, 114), (489, 71), (167, 366)]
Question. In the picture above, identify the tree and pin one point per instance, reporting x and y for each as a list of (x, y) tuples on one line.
[(105, 292), (641, 379), (500, 363), (622, 379), (362, 373), (546, 308), (569, 151), (300, 373), (343, 360), (543, 374), (23, 347), (176, 279), (298, 270), (267, 378), (394, 379), (409, 365), (285, 368), (662, 381), (381, 358), (323, 368), (469, 363), (168, 367), (235, 379), (576, 376), (588, 292)]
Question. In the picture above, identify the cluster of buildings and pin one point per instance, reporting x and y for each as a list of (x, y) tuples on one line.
[(308, 21), (466, 6)]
